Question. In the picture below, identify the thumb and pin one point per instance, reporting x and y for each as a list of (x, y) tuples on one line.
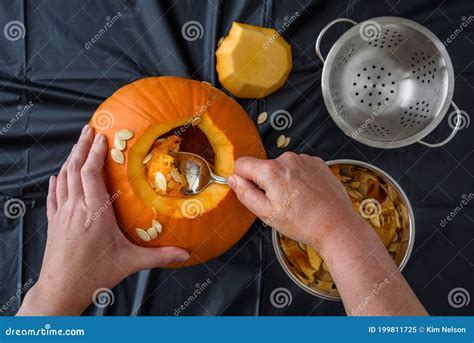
[(250, 195), (149, 258)]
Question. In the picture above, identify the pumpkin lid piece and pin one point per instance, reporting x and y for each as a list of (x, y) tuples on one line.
[(252, 61)]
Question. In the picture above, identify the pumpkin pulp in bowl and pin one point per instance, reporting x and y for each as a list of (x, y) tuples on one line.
[(166, 113), (379, 201)]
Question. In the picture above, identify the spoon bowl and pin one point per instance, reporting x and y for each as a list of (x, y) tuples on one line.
[(197, 172)]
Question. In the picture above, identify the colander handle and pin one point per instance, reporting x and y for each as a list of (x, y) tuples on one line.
[(323, 31), (459, 120)]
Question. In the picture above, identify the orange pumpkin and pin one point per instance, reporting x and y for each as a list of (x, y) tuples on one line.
[(208, 123)]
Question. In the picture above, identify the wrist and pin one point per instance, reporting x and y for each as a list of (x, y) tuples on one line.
[(44, 300), (332, 235)]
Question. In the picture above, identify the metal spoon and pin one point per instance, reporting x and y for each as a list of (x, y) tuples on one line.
[(197, 172)]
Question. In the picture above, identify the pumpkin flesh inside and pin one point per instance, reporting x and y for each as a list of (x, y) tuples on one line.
[(204, 139), (162, 173)]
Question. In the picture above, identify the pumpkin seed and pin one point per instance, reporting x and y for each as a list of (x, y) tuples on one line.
[(157, 225), (117, 156), (119, 144), (147, 159), (160, 181), (262, 117), (355, 184), (375, 221), (287, 142), (281, 141), (124, 134), (152, 232), (196, 121), (393, 247), (353, 193), (176, 175), (144, 236), (395, 237), (301, 246)]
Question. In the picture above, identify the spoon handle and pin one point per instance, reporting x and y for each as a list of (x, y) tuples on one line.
[(219, 179)]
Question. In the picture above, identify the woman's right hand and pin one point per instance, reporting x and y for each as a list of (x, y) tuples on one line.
[(297, 194)]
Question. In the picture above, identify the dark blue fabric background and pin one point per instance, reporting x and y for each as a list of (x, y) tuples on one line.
[(66, 82)]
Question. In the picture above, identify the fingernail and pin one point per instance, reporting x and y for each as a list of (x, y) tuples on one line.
[(182, 257), (231, 181), (98, 138), (85, 129)]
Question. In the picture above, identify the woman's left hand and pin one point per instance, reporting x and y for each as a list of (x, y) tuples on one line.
[(85, 249)]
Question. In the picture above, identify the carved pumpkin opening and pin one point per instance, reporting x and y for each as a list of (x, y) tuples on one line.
[(162, 173), (193, 140)]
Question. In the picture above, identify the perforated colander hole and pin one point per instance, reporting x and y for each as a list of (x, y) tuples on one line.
[(374, 89), (387, 38), (421, 67)]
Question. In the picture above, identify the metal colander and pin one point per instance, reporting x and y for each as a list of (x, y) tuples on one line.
[(388, 82)]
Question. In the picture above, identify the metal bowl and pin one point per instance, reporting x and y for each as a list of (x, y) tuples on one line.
[(407, 240)]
